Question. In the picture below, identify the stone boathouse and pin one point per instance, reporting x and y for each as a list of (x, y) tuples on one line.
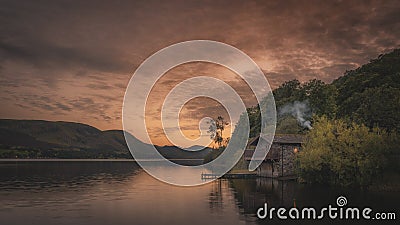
[(280, 160)]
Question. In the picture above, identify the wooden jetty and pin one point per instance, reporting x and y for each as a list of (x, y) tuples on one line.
[(206, 176), (292, 177)]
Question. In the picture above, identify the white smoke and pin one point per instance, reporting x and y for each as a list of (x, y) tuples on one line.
[(299, 110)]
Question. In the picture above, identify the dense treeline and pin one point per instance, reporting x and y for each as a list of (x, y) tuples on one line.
[(319, 97), (356, 123), (369, 95)]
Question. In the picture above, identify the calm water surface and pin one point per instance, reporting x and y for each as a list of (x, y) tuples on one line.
[(115, 192)]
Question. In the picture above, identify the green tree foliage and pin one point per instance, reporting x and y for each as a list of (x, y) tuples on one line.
[(339, 153), (371, 93), (288, 125), (287, 92), (378, 106), (321, 96), (346, 147), (254, 120)]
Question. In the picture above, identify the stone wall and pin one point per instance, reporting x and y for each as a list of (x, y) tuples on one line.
[(273, 167), (289, 161)]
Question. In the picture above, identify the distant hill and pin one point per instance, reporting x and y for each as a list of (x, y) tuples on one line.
[(48, 139)]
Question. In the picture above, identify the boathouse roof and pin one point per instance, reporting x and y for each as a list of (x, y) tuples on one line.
[(273, 153), (280, 139)]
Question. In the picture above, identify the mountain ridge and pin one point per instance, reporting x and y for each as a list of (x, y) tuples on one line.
[(63, 139)]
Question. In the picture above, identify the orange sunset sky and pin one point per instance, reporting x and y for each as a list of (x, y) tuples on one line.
[(72, 60)]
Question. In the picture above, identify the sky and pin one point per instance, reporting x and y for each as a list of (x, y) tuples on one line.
[(72, 60)]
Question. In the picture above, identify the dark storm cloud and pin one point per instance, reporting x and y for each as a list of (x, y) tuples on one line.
[(47, 56), (57, 35), (117, 36)]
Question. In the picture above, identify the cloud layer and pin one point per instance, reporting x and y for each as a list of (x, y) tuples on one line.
[(63, 60)]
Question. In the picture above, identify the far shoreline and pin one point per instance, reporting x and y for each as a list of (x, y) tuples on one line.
[(89, 160)]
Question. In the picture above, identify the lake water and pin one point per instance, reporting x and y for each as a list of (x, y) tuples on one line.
[(119, 192)]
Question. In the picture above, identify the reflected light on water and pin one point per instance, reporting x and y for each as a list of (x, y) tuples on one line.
[(121, 193), (107, 193)]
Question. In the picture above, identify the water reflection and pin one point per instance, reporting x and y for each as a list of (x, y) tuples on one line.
[(51, 175), (121, 193), (107, 193), (252, 194)]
